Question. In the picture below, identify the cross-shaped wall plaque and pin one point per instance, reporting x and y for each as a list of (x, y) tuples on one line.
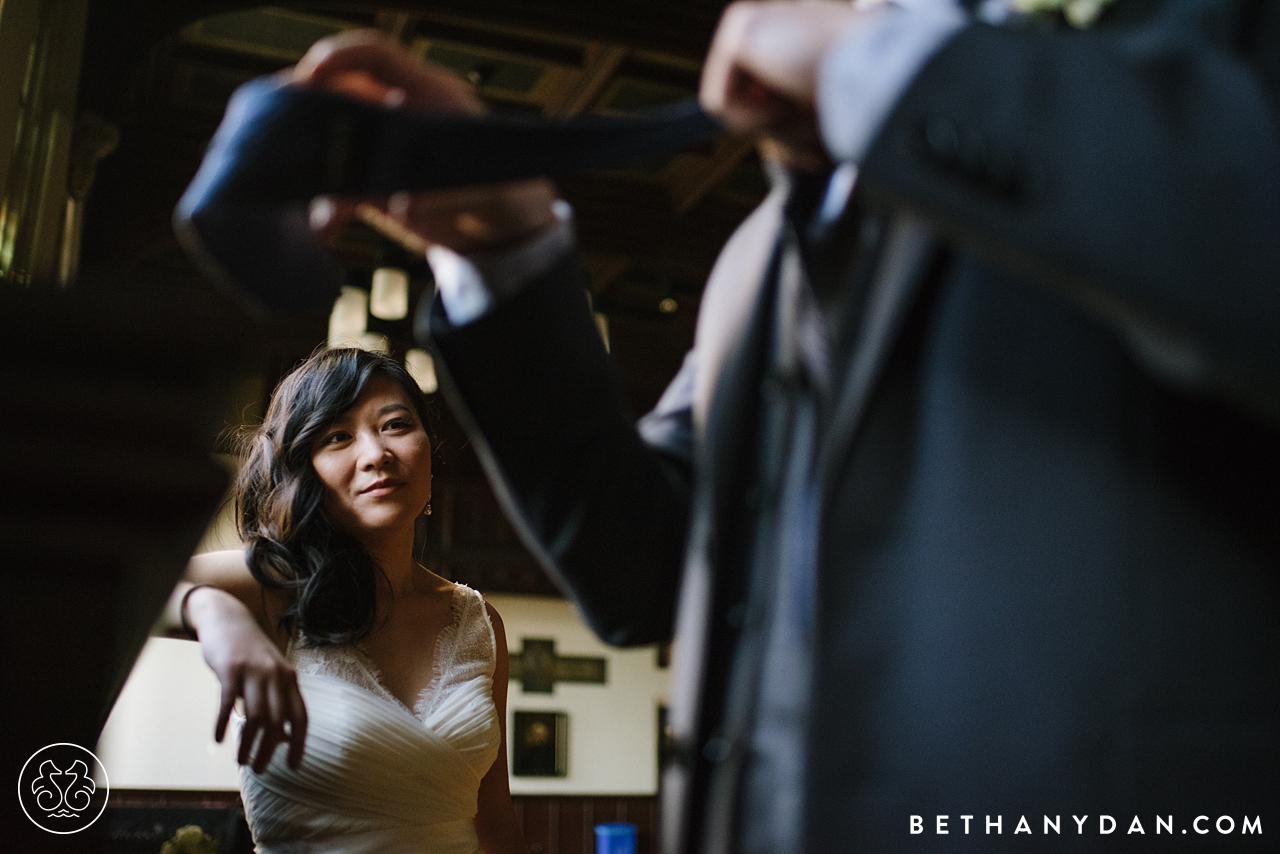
[(539, 668)]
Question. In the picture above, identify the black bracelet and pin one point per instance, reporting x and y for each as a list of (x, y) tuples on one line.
[(182, 610)]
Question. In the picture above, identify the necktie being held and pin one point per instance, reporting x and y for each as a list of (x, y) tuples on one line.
[(244, 216)]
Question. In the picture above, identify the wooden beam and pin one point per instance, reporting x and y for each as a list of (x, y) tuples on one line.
[(619, 214), (600, 61), (604, 270), (696, 184), (399, 25)]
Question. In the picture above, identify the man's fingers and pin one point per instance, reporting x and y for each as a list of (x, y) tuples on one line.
[(762, 68), (331, 62), (722, 57), (735, 86), (328, 215), (404, 206), (753, 105), (466, 219), (361, 85), (366, 64)]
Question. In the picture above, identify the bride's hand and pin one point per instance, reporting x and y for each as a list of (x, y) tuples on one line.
[(249, 666)]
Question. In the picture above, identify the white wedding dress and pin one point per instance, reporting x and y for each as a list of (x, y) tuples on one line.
[(377, 776)]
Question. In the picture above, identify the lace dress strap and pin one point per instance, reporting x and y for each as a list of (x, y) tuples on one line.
[(465, 649)]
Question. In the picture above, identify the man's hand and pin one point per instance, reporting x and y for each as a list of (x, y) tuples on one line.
[(761, 73), (366, 64)]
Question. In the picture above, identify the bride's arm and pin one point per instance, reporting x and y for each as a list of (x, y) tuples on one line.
[(496, 825), (235, 621), (228, 572)]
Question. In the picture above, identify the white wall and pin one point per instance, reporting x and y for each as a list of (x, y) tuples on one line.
[(613, 728), (160, 733)]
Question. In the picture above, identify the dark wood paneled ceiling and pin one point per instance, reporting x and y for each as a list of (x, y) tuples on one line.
[(161, 72)]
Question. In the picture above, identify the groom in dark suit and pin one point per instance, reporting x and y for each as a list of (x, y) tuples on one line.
[(964, 510)]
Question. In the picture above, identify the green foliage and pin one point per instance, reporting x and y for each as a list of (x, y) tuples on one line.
[(190, 840), (1078, 13)]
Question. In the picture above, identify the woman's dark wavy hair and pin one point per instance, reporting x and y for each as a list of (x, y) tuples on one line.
[(291, 544)]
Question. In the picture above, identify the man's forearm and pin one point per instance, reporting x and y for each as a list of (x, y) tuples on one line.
[(470, 286)]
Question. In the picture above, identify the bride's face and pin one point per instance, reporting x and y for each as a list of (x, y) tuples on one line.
[(375, 462)]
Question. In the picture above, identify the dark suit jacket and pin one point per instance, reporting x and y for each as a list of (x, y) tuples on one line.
[(1051, 492)]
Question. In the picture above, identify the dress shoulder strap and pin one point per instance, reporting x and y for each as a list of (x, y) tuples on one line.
[(473, 639)]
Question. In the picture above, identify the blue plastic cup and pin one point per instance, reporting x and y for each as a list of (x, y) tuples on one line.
[(616, 838)]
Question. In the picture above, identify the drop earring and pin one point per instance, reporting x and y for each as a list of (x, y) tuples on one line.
[(426, 511)]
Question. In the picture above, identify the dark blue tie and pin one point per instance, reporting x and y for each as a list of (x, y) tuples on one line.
[(244, 217)]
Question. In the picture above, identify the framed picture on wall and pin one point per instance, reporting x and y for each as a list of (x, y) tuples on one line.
[(540, 744)]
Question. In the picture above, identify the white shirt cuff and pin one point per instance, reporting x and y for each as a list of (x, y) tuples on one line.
[(471, 285), (865, 74)]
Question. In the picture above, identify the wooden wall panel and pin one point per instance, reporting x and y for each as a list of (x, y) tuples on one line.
[(552, 824), (566, 824)]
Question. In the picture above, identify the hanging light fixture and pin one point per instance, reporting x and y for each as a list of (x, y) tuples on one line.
[(422, 368), (667, 297), (389, 297), (349, 318)]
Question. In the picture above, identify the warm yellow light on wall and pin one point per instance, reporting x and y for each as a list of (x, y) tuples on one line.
[(422, 368), (374, 342), (389, 298), (349, 318)]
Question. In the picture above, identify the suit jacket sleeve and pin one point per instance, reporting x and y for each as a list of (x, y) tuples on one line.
[(1137, 169), (603, 509)]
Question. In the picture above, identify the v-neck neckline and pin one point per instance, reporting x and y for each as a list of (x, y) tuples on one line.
[(445, 637)]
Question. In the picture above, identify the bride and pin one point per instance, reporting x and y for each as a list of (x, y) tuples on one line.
[(387, 682)]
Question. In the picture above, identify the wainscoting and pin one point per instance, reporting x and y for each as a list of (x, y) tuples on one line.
[(566, 825), (139, 821)]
